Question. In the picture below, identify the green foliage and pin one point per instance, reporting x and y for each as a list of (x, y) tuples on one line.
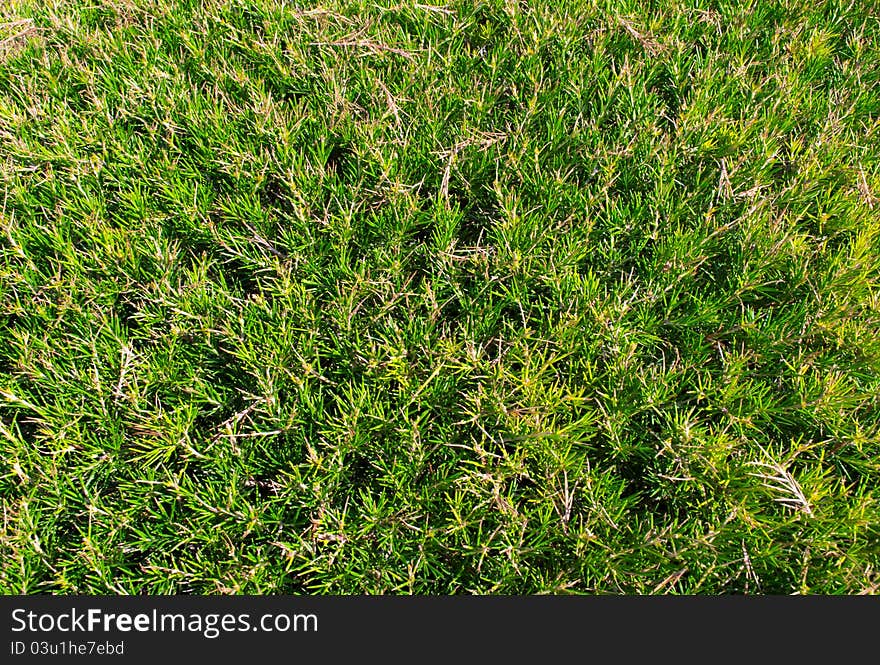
[(492, 297)]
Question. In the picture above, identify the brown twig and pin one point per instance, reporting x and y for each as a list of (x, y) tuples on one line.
[(27, 31), (374, 46), (651, 45)]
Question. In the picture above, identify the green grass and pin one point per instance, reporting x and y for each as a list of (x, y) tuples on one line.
[(494, 297)]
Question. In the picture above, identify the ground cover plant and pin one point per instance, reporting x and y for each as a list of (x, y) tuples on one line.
[(487, 297)]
